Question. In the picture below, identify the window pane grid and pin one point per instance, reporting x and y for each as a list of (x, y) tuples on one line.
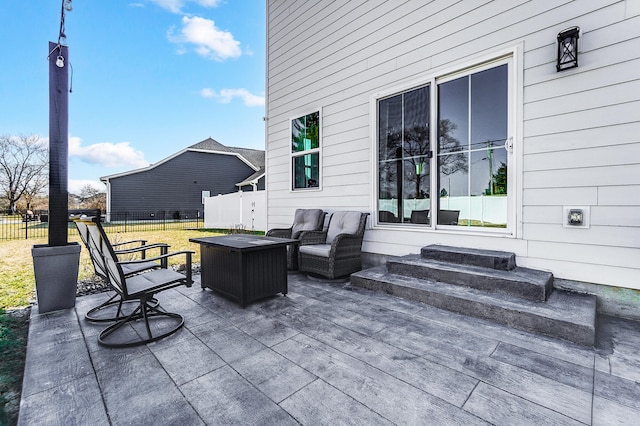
[(472, 114), (472, 161), (404, 157), (305, 151)]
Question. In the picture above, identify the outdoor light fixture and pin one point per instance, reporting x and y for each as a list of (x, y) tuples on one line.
[(67, 5), (576, 217), (568, 48), (60, 61)]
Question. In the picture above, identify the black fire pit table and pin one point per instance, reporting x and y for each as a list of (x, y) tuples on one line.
[(243, 267)]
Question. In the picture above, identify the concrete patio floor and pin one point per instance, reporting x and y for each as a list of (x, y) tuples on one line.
[(325, 354)]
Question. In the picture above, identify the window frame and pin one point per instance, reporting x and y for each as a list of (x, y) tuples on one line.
[(511, 57), (403, 159), (297, 154)]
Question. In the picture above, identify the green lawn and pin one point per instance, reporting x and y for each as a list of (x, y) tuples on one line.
[(17, 284)]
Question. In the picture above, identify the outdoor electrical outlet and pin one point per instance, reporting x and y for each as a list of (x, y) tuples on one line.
[(576, 216)]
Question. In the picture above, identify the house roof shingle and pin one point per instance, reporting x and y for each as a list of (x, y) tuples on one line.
[(254, 157)]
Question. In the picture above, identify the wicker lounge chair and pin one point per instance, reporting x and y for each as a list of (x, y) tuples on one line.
[(98, 313), (141, 288), (335, 252), (303, 220)]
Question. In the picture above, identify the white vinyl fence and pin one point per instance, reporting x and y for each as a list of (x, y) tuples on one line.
[(229, 211), (491, 209)]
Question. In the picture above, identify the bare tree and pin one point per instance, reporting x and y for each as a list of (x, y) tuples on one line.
[(92, 198), (34, 189), (23, 166), (454, 161)]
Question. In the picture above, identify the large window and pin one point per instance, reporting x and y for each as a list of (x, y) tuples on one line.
[(403, 157), (467, 152), (472, 159), (305, 151)]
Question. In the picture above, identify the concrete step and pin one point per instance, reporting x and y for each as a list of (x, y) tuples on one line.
[(491, 259), (525, 283), (564, 315)]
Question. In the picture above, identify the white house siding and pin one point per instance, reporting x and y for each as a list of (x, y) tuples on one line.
[(577, 136)]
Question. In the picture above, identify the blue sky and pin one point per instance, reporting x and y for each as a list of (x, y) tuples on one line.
[(150, 77)]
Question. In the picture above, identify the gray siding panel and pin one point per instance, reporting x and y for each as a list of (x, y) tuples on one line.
[(576, 133), (177, 184)]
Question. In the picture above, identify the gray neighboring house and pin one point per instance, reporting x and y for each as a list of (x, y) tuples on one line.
[(175, 186)]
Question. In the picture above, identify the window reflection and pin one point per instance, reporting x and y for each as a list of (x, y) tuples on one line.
[(404, 156), (472, 160), (305, 144), (306, 171)]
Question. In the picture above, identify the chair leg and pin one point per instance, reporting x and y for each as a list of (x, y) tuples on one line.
[(145, 311), (93, 314)]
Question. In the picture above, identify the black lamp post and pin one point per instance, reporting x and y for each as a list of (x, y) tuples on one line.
[(58, 143), (59, 134), (56, 264), (568, 49)]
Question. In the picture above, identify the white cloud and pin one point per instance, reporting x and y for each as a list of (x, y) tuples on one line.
[(210, 41), (209, 3), (208, 93), (107, 154), (75, 185), (136, 4), (175, 6), (226, 96)]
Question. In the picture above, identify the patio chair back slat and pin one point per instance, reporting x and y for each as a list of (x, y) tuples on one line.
[(94, 251), (99, 244)]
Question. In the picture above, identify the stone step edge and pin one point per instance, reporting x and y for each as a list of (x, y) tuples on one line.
[(537, 317), (525, 283), (493, 259)]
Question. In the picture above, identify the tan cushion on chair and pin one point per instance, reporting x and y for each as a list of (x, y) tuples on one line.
[(321, 250), (305, 220), (343, 223)]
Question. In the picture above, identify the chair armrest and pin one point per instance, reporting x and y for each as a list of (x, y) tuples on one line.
[(279, 232), (141, 242), (164, 249), (313, 237), (346, 244), (142, 248), (164, 256), (163, 260)]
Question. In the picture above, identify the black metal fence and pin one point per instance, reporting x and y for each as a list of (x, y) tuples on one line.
[(36, 225)]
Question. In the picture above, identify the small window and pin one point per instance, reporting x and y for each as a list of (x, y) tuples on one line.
[(305, 151)]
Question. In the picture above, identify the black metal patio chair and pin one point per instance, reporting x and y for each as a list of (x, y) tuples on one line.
[(303, 220), (448, 217), (103, 312), (141, 288), (337, 251)]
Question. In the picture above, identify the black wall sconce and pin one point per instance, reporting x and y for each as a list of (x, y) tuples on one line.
[(568, 48)]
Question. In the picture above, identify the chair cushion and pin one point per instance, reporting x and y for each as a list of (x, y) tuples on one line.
[(305, 220), (321, 250), (342, 223), (148, 280), (132, 268)]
